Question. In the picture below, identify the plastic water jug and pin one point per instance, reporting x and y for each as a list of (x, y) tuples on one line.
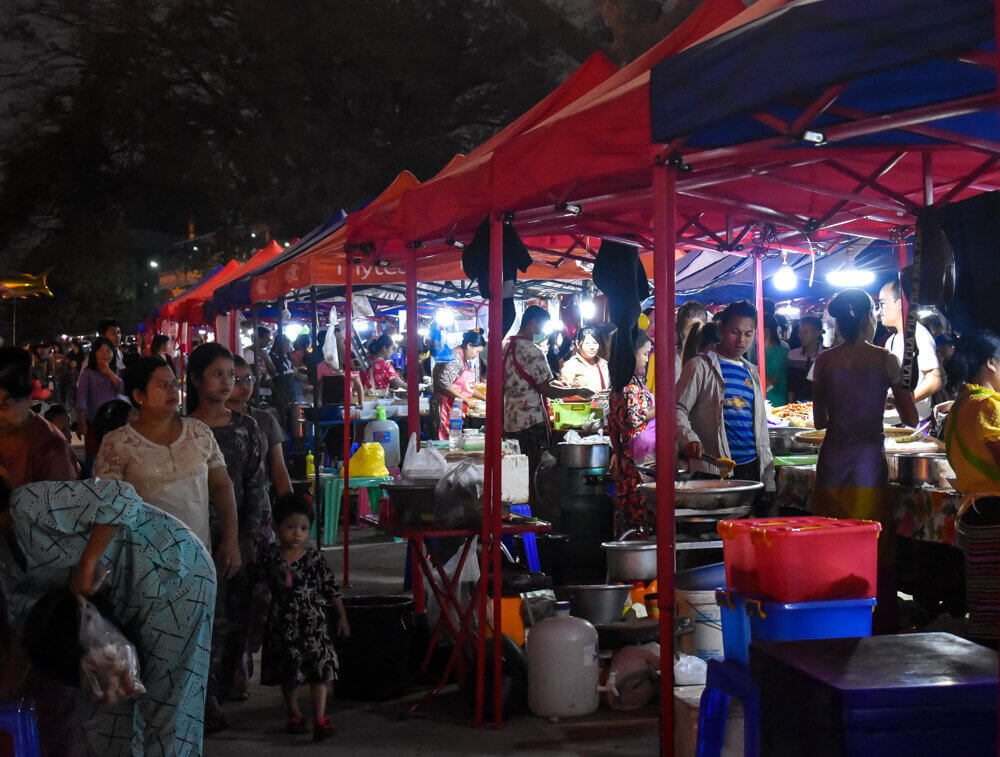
[(562, 666), (386, 433), (455, 426)]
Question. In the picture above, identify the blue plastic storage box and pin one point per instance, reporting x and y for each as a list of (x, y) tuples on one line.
[(735, 626), (836, 619)]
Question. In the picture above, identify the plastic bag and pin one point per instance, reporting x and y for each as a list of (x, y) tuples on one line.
[(458, 497), (368, 461), (643, 445), (632, 679), (109, 667), (574, 437), (464, 587), (690, 671), (426, 462)]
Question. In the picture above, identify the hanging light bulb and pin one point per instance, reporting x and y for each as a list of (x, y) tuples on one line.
[(587, 309), (784, 279), (445, 317), (849, 275)]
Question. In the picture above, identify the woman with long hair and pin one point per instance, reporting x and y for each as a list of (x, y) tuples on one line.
[(850, 384), (99, 382), (972, 438), (633, 410), (211, 376), (586, 367)]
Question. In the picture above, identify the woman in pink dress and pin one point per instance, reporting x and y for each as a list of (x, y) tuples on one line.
[(382, 374)]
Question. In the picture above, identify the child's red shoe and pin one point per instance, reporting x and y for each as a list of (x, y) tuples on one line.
[(323, 728)]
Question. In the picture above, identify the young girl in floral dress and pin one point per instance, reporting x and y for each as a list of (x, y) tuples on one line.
[(298, 644)]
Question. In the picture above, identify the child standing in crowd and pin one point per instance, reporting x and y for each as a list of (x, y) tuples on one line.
[(298, 645)]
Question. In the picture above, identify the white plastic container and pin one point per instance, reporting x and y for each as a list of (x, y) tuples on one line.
[(705, 613), (562, 666), (386, 433)]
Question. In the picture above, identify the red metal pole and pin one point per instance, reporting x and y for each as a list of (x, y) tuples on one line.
[(664, 234), (233, 331), (348, 336), (494, 434), (758, 289), (412, 347)]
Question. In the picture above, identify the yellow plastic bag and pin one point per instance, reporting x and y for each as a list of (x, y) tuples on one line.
[(368, 461)]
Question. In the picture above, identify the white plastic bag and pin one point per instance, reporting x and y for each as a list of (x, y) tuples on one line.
[(109, 667), (464, 587), (426, 462), (690, 671), (331, 353)]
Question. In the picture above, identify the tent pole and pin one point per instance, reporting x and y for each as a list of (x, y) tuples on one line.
[(758, 291), (494, 440), (348, 338), (412, 348), (317, 461), (413, 402), (664, 233)]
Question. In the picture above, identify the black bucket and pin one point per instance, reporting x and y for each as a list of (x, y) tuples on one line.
[(376, 659)]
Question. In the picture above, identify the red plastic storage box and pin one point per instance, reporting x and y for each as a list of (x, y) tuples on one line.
[(806, 559)]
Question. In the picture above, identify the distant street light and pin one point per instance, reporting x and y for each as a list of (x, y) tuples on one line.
[(153, 264)]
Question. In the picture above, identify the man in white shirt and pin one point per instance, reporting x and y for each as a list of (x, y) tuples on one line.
[(929, 381), (801, 359)]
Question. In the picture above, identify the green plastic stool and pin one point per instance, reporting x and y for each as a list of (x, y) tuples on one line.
[(331, 496)]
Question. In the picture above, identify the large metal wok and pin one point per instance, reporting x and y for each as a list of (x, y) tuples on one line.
[(707, 494)]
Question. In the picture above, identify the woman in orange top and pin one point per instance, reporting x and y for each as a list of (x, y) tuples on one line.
[(972, 436)]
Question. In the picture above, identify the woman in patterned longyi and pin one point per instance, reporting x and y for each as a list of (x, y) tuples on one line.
[(162, 583), (632, 411), (211, 374)]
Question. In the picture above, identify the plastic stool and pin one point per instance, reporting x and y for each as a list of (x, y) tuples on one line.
[(727, 679), (530, 546), (17, 717)]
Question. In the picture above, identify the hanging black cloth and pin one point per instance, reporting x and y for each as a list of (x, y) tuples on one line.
[(476, 263), (618, 272)]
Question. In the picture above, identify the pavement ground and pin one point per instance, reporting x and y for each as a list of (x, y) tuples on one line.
[(442, 727)]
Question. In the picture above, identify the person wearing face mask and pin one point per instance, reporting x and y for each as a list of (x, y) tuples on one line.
[(586, 368), (527, 383), (850, 384), (720, 404), (455, 380)]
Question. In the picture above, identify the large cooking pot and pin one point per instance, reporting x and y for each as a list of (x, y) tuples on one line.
[(783, 441), (707, 494), (630, 561), (916, 469), (598, 603), (584, 455)]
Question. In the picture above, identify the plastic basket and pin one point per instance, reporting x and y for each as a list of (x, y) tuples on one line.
[(774, 621), (807, 559), (573, 414), (735, 626)]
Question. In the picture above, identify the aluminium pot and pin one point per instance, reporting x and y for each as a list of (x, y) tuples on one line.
[(707, 494), (783, 441), (584, 455), (917, 469), (598, 603), (630, 561)]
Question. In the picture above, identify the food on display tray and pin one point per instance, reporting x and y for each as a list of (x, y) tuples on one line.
[(796, 414)]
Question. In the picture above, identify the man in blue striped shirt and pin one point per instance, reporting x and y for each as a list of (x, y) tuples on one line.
[(720, 404)]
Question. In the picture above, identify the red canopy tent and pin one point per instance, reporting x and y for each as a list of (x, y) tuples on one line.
[(591, 170), (180, 308), (193, 307)]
